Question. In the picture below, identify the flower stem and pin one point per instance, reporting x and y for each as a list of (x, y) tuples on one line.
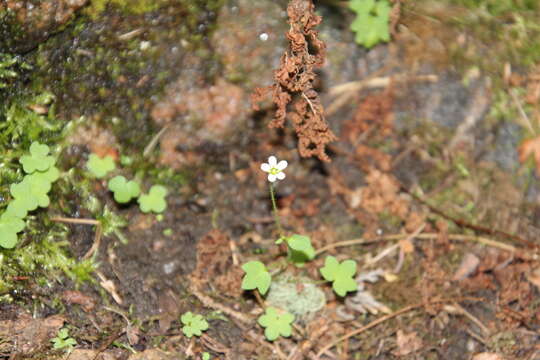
[(274, 206)]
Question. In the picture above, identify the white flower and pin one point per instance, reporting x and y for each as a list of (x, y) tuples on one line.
[(274, 169)]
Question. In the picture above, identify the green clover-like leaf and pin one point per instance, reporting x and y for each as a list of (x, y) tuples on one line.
[(62, 340), (124, 190), (340, 274), (257, 277), (372, 22), (154, 200), (17, 208), (300, 249), (205, 356), (38, 160), (32, 192), (276, 323), (51, 174), (193, 324), (9, 227), (100, 167)]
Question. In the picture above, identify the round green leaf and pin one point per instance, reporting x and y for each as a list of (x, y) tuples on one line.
[(123, 190), (100, 167), (38, 159), (276, 323), (257, 277), (154, 200)]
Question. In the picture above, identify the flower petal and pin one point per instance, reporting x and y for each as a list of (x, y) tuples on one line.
[(282, 165), (280, 175), (272, 161), (265, 167), (271, 177)]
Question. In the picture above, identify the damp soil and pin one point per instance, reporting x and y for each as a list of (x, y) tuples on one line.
[(424, 181)]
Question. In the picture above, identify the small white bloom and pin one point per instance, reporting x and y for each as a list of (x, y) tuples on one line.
[(274, 169), (263, 36)]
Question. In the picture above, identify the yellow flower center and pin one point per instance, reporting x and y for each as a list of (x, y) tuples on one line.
[(274, 171)]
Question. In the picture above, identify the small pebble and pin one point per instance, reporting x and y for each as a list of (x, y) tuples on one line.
[(145, 45), (168, 268), (263, 36)]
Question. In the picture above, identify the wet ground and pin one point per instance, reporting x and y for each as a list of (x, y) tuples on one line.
[(432, 185)]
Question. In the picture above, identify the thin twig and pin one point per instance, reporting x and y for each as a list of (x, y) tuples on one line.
[(131, 34), (378, 82), (385, 318), (426, 236), (152, 144), (97, 236), (211, 303), (409, 238), (97, 241), (76, 221), (458, 309), (273, 347), (465, 224), (526, 121), (309, 103)]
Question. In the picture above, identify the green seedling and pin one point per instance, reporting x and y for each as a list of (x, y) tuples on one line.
[(372, 21), (193, 324), (300, 249), (31, 192), (100, 167), (38, 159), (154, 200), (9, 227), (168, 232), (63, 341), (205, 356), (341, 275), (124, 190), (276, 323), (257, 277)]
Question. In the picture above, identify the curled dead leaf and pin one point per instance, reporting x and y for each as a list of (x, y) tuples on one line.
[(468, 265), (407, 343), (530, 147), (487, 356)]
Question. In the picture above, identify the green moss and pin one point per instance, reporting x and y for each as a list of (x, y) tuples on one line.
[(128, 6), (500, 31), (116, 80), (43, 254), (44, 260), (498, 7)]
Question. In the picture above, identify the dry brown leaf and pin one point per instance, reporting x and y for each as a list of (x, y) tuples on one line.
[(534, 277), (26, 334), (487, 356), (155, 354), (84, 354), (468, 265), (407, 343), (530, 147), (406, 246), (76, 297)]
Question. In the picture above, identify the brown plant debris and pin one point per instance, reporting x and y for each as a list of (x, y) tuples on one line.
[(214, 264), (294, 81)]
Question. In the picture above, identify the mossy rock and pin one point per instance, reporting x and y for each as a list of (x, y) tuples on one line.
[(298, 295), (24, 24)]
